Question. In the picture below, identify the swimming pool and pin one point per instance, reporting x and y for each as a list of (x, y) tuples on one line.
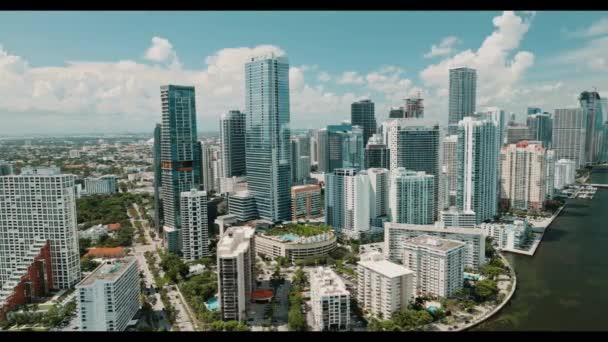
[(290, 237), (212, 304)]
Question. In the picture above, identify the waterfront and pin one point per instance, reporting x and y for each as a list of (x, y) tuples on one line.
[(563, 286)]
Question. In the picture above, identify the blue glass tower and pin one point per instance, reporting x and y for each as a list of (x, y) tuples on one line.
[(180, 160), (267, 135)]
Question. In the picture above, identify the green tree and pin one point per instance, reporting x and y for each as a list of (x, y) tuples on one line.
[(485, 289), (87, 264)]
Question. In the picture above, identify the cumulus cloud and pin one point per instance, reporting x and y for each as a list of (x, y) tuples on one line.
[(162, 51), (598, 28), (497, 73), (592, 56), (323, 77), (350, 77), (445, 47)]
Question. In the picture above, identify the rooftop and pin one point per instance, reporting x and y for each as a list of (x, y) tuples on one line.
[(327, 281), (435, 243), (105, 251), (376, 262), (108, 271), (433, 228), (303, 230), (234, 241)]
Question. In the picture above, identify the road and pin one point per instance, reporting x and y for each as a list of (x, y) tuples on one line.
[(182, 319)]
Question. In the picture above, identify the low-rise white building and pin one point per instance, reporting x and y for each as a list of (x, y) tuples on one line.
[(507, 235), (383, 287), (438, 265), (330, 300), (108, 298), (396, 234)]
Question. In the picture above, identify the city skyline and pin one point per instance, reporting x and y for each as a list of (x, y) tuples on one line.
[(59, 90)]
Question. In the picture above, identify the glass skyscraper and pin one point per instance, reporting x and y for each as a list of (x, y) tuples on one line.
[(267, 137), (569, 135), (412, 197), (418, 150), (591, 104), (345, 147), (362, 114), (478, 156), (158, 210), (232, 137), (463, 88), (180, 162)]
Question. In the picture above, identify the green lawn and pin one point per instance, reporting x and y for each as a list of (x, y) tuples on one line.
[(299, 230)]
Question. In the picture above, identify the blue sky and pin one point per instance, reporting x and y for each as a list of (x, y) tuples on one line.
[(541, 58)]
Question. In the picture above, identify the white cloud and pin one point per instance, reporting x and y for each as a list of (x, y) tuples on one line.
[(445, 47), (161, 51), (591, 56), (497, 73), (597, 28), (350, 77), (323, 77)]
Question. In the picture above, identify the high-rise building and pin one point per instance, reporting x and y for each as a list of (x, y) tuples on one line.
[(345, 148), (565, 173), (362, 114), (450, 163), (303, 174), (570, 134), (418, 150), (242, 205), (330, 301), (412, 197), (379, 195), (524, 176), (232, 138), (322, 150), (534, 110), (377, 153), (478, 161), (195, 230), (463, 90), (235, 261), (383, 287), (499, 116), (414, 108), (347, 202), (108, 298), (541, 128), (397, 234), (6, 168), (306, 202), (591, 105), (158, 203), (517, 133), (300, 159), (267, 137), (397, 113), (30, 279), (39, 204), (438, 264), (206, 157), (314, 148), (180, 155), (390, 134), (550, 174)]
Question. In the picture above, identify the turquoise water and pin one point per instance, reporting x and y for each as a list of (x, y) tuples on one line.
[(212, 304), (289, 237)]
